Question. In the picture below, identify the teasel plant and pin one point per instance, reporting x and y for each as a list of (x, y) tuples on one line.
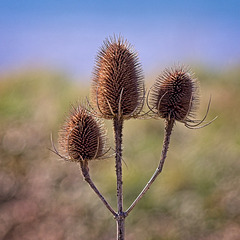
[(82, 138), (118, 94), (173, 97)]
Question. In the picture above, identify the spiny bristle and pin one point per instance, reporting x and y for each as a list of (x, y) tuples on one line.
[(82, 137), (174, 94), (118, 87)]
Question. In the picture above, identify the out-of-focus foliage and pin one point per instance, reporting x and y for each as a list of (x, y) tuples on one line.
[(197, 196)]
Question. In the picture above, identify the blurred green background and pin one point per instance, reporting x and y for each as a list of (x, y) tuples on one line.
[(197, 196), (47, 51)]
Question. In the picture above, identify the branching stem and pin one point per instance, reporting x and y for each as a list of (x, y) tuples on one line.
[(121, 215), (166, 141), (87, 178)]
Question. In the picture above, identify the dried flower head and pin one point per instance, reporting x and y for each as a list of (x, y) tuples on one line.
[(118, 88), (82, 137), (175, 95)]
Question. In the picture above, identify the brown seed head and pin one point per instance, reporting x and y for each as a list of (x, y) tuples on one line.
[(82, 137), (118, 88), (174, 94)]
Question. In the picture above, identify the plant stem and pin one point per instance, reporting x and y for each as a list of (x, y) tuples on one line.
[(118, 126), (87, 178), (166, 141)]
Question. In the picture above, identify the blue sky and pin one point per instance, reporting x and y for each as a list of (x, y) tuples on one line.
[(66, 34)]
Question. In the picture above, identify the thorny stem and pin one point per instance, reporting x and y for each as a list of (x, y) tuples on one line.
[(121, 215), (166, 141), (118, 126), (87, 178)]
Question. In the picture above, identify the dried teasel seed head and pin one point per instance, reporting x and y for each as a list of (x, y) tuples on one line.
[(118, 87), (174, 95), (82, 137)]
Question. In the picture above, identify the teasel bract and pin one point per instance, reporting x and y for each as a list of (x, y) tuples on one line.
[(118, 87), (174, 95), (82, 136)]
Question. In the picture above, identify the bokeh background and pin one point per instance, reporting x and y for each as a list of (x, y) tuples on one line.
[(47, 52)]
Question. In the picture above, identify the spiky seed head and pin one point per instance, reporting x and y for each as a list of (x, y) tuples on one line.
[(117, 87), (174, 95), (82, 137)]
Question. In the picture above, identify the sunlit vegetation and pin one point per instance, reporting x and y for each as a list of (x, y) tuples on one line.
[(197, 196)]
